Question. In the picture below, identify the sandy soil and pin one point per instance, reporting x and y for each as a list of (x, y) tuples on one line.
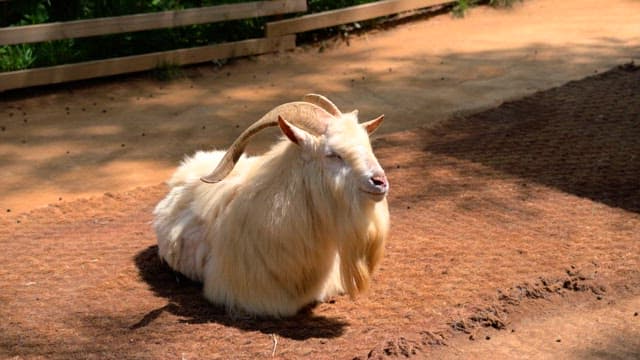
[(515, 227)]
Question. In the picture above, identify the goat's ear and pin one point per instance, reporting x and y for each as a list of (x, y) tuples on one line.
[(373, 125), (294, 133)]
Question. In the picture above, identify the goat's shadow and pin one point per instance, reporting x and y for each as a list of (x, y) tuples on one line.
[(186, 301)]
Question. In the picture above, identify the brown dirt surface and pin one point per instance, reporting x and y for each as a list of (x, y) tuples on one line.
[(74, 141), (499, 218), (515, 200)]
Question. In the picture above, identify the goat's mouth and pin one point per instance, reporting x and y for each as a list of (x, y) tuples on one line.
[(375, 195), (375, 186)]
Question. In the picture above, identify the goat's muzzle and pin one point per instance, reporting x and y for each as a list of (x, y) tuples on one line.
[(376, 185)]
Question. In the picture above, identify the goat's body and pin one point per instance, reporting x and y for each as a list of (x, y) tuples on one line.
[(266, 239)]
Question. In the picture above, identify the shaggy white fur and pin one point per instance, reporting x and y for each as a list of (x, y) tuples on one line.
[(305, 221)]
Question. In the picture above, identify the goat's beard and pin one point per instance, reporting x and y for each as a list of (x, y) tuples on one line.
[(362, 245), (359, 226)]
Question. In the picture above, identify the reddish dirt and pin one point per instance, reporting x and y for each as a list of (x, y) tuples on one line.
[(75, 141), (513, 228)]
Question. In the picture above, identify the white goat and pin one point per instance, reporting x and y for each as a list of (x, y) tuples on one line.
[(271, 234)]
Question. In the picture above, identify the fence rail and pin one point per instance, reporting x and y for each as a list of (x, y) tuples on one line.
[(150, 21), (280, 36), (346, 15), (136, 63)]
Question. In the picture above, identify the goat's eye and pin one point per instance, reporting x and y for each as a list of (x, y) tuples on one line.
[(334, 156)]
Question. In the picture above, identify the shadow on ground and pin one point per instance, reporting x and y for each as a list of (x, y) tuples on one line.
[(155, 124), (623, 345), (186, 301), (560, 138)]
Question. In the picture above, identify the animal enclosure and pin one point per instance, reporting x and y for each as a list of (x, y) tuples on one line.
[(514, 197), (280, 36)]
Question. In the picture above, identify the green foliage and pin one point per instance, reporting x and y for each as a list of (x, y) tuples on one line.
[(24, 12), (462, 6), (55, 52), (503, 3), (38, 15), (16, 57), (167, 72)]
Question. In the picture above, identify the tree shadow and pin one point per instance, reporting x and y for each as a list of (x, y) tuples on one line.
[(186, 301), (142, 123), (582, 138)]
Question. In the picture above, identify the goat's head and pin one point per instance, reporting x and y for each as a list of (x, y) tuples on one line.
[(335, 140)]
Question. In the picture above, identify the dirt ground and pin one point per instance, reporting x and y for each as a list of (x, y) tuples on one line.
[(515, 202)]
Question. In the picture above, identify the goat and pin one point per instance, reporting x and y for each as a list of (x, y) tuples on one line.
[(269, 235)]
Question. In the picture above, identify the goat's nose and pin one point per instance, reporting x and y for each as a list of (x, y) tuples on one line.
[(379, 181)]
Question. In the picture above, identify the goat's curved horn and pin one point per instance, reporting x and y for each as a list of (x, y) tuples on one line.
[(305, 115), (324, 103)]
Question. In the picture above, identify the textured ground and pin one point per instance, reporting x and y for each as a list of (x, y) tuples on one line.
[(515, 234), (76, 141)]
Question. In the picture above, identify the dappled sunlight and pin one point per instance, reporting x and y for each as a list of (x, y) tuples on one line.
[(245, 94), (98, 130), (25, 189), (166, 96)]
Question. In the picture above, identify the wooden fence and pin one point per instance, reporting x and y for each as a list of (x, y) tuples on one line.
[(280, 36), (347, 15)]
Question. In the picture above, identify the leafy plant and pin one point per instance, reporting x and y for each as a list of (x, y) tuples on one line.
[(167, 72), (38, 15), (503, 3), (56, 52), (462, 6), (16, 57)]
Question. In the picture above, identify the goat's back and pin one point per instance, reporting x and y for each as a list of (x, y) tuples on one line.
[(177, 226), (194, 167)]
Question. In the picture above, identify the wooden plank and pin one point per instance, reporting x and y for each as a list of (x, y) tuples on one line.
[(129, 64), (347, 15), (138, 22)]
